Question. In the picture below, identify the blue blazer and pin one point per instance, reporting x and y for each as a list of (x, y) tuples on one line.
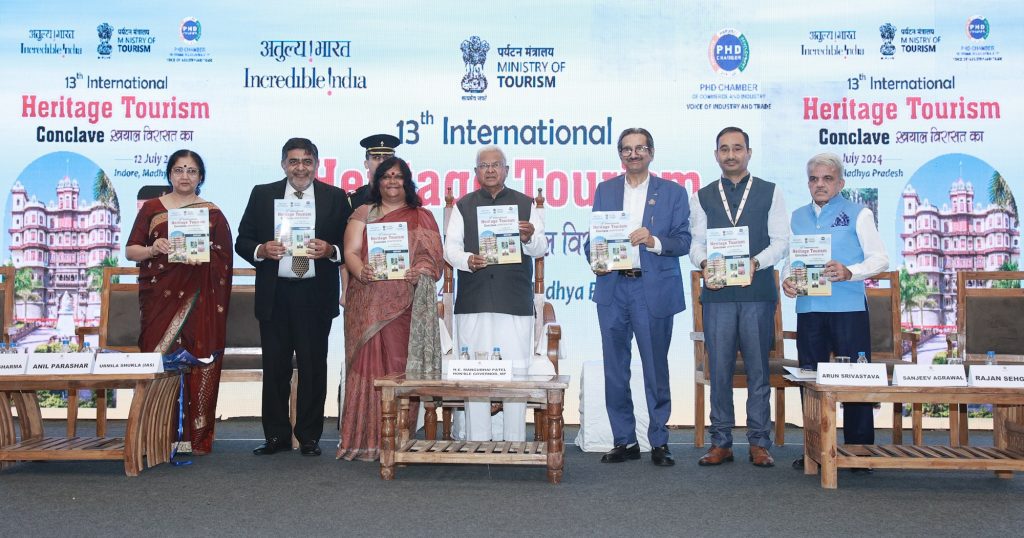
[(667, 216)]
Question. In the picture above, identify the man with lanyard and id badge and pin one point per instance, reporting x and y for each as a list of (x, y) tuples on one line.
[(739, 307)]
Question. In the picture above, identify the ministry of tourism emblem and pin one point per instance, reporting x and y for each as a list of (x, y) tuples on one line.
[(190, 30), (888, 33), (729, 52), (104, 32), (474, 54), (978, 28)]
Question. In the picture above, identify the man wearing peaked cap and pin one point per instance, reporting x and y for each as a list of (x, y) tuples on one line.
[(378, 148)]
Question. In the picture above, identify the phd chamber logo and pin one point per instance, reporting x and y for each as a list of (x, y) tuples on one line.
[(729, 52)]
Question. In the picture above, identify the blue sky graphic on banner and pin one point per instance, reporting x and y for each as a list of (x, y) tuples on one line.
[(904, 91)]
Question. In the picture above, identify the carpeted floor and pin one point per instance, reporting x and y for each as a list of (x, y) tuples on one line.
[(233, 493)]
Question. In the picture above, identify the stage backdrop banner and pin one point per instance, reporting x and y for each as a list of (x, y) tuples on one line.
[(917, 98)]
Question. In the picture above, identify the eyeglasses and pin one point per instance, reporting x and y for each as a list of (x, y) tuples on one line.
[(639, 150), (490, 166), (179, 171), (303, 162)]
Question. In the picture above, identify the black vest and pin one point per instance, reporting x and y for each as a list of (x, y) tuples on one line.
[(755, 218), (502, 289)]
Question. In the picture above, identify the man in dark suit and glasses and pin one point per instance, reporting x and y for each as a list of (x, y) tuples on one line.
[(296, 296)]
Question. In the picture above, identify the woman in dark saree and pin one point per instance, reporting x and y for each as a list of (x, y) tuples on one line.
[(184, 305)]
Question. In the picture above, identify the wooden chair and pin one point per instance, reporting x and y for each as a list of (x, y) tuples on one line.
[(547, 331), (6, 302), (119, 330), (985, 322), (776, 361)]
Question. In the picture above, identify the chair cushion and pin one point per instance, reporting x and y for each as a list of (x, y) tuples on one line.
[(123, 314), (243, 330), (880, 315), (989, 327)]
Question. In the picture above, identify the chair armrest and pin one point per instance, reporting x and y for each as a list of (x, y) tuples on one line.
[(697, 336), (554, 334), (549, 314), (82, 332), (914, 339), (789, 335)]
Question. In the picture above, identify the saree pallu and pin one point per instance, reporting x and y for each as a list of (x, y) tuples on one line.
[(186, 306), (378, 323)]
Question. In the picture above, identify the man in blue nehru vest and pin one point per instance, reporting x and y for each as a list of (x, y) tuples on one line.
[(837, 323), (739, 317), (641, 301)]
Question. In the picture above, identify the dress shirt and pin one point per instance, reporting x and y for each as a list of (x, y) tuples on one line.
[(455, 237), (876, 259), (778, 232), (633, 201), (284, 267)]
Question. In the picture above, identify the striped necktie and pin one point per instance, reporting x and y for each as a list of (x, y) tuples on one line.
[(300, 264)]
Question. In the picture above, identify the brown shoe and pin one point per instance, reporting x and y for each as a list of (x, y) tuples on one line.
[(760, 457), (716, 456)]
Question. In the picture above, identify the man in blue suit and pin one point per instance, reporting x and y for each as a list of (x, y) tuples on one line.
[(641, 301)]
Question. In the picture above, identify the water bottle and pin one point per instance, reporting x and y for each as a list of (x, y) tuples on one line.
[(464, 354), (3, 348), (990, 358), (496, 355), (65, 345), (86, 348), (862, 358)]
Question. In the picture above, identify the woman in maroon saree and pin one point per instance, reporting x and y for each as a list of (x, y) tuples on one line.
[(381, 334), (185, 305)]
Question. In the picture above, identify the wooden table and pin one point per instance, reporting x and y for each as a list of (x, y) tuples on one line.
[(397, 447), (147, 434), (821, 448)]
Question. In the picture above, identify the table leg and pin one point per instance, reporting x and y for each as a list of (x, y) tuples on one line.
[(403, 421), (387, 431), (101, 413), (430, 418), (827, 433), (811, 410), (954, 424), (556, 448)]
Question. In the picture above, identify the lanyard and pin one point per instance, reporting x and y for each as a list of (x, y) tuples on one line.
[(743, 201)]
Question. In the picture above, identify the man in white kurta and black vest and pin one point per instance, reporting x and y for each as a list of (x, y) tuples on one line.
[(739, 317), (494, 302), (838, 323)]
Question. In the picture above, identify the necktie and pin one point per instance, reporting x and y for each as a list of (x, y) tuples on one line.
[(300, 264)]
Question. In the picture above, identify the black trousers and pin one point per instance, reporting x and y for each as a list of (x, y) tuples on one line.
[(842, 333), (298, 328)]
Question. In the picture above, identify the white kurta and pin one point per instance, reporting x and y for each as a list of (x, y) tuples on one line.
[(485, 331)]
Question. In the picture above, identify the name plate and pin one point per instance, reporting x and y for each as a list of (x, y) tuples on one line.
[(128, 363), (59, 363), (932, 375), (853, 374), (13, 363), (1003, 376), (474, 370)]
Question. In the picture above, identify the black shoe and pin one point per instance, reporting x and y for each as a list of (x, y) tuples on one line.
[(310, 448), (622, 453), (662, 457), (271, 446), (862, 470), (798, 464)]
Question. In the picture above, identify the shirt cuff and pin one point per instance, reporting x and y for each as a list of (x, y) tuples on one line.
[(656, 249)]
